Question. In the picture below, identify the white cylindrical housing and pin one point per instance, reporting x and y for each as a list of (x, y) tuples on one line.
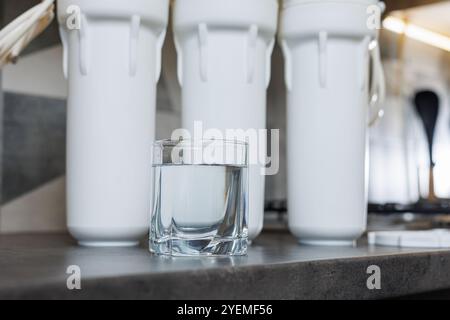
[(326, 49), (112, 59), (224, 49)]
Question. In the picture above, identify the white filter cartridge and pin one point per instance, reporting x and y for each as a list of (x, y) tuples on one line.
[(112, 59), (224, 49), (327, 53)]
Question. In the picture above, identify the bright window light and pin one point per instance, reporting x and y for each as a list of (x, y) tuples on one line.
[(417, 33)]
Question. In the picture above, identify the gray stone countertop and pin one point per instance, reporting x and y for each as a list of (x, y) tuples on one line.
[(34, 266)]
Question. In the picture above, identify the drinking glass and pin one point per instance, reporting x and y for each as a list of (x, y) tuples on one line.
[(200, 198)]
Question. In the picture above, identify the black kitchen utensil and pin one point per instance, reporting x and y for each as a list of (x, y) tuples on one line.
[(427, 106)]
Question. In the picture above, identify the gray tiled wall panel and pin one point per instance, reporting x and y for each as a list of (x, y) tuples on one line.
[(34, 142)]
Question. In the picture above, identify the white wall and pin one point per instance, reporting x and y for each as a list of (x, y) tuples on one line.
[(39, 73)]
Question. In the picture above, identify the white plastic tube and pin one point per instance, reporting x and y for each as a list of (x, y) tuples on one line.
[(224, 49), (326, 49), (112, 59)]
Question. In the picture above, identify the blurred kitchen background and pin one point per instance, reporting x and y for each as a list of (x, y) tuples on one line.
[(33, 122)]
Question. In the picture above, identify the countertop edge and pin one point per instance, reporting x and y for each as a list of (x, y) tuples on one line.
[(344, 278)]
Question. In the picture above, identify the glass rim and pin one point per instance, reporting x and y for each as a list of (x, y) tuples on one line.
[(172, 143)]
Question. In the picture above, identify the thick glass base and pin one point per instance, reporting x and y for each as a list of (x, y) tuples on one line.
[(208, 247)]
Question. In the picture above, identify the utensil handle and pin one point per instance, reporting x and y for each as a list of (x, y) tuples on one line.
[(378, 84)]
